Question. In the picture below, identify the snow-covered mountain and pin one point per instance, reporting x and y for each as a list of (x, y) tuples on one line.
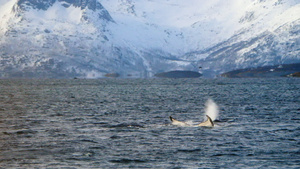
[(138, 38)]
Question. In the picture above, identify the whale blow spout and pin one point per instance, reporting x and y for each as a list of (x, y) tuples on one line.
[(211, 109)]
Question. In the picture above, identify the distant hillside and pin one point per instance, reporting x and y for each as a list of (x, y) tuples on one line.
[(179, 74), (263, 72), (297, 74)]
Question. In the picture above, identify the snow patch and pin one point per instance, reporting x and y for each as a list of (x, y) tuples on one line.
[(6, 7)]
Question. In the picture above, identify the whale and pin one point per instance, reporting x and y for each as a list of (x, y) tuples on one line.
[(207, 123)]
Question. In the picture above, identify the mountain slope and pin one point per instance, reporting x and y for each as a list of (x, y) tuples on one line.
[(267, 41), (268, 48), (90, 38)]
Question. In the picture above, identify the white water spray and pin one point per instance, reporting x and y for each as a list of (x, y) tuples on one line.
[(211, 109)]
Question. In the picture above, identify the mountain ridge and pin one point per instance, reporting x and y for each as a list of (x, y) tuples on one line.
[(82, 38)]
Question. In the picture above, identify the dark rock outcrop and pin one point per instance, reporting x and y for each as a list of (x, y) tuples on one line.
[(35, 4), (94, 5)]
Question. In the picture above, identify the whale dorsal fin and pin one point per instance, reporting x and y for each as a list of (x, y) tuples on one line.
[(207, 123), (171, 118)]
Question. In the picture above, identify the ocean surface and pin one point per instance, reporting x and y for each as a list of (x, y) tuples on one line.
[(124, 123)]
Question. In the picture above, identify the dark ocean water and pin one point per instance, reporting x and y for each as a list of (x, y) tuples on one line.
[(124, 123)]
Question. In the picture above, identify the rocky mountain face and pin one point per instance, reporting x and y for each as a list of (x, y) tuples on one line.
[(55, 39), (91, 38)]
